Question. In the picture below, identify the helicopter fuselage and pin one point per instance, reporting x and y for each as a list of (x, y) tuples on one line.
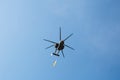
[(59, 46)]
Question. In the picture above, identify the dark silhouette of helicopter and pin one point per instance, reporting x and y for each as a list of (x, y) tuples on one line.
[(59, 46)]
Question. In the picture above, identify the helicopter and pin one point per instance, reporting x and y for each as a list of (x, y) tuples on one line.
[(60, 45)]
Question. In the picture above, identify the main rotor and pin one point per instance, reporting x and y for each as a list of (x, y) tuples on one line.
[(59, 46)]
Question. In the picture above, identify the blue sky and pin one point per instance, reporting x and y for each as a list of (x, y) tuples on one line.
[(25, 23)]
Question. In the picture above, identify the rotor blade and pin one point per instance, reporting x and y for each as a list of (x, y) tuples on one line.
[(62, 53), (49, 41), (68, 36), (69, 47), (60, 33), (49, 46)]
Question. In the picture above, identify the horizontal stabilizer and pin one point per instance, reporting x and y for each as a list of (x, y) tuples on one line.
[(56, 54)]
